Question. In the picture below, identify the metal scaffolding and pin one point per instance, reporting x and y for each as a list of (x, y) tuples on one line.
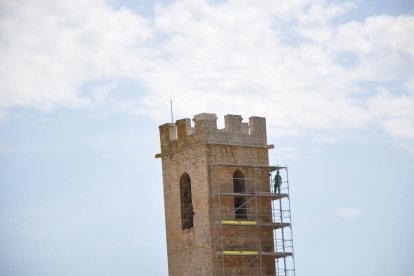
[(252, 227)]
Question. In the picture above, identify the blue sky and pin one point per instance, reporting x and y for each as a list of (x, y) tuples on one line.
[(85, 84)]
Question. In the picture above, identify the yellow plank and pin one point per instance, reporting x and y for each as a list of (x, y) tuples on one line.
[(241, 253), (238, 222)]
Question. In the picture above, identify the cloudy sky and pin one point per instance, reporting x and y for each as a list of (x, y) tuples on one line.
[(85, 84)]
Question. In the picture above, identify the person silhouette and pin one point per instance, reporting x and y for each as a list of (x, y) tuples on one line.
[(277, 182)]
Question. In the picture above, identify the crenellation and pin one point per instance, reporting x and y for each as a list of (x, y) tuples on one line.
[(236, 132), (167, 134), (205, 123), (183, 126), (233, 123), (258, 128), (173, 132)]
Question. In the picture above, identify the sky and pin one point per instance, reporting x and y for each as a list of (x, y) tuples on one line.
[(85, 84)]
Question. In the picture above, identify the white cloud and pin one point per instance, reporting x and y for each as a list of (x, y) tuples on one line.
[(287, 61), (49, 49), (289, 152), (394, 113), (349, 213)]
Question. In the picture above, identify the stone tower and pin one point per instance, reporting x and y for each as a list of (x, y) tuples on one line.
[(218, 197)]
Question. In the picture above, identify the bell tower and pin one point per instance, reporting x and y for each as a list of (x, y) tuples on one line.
[(223, 215)]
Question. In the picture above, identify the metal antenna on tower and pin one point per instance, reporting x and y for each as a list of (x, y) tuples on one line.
[(172, 115)]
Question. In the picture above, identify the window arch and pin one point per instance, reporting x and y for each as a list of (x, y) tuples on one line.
[(186, 202), (239, 201)]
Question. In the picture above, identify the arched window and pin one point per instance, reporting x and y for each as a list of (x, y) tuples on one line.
[(186, 202), (239, 201)]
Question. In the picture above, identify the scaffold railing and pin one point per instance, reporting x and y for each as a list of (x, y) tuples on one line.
[(226, 216)]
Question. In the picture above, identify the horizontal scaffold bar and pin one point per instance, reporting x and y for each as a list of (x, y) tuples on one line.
[(274, 196), (275, 225), (238, 222), (271, 168), (240, 253), (276, 255)]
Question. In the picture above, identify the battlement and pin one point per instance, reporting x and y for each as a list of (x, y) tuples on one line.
[(205, 131)]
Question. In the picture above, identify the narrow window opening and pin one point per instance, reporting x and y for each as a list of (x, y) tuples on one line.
[(240, 205), (187, 213)]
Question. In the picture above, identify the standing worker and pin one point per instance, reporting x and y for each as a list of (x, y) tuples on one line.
[(278, 182)]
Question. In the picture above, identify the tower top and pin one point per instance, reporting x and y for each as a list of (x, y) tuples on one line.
[(175, 137)]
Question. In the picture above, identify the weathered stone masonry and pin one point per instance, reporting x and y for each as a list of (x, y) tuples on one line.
[(196, 151)]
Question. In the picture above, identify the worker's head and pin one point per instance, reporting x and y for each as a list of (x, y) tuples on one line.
[(277, 172)]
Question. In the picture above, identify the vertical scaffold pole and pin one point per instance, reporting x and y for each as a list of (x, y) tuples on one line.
[(283, 235), (290, 221)]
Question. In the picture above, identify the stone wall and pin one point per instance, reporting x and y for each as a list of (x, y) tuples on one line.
[(195, 151)]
